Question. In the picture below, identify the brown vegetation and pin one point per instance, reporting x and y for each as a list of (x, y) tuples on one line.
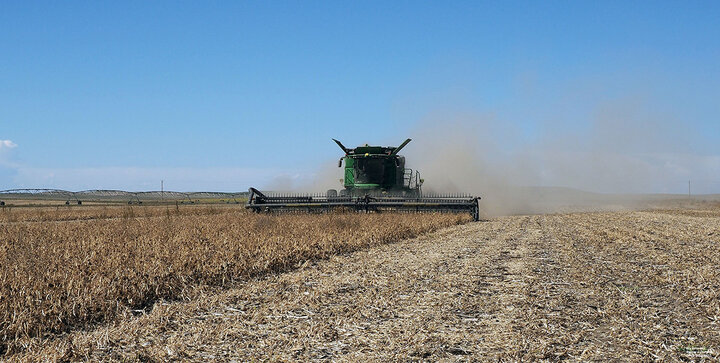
[(66, 268), (634, 286), (624, 286), (58, 213)]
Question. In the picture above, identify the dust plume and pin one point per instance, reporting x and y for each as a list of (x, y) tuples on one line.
[(620, 155), (326, 175), (616, 160)]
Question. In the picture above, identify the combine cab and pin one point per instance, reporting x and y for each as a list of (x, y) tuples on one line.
[(375, 179)]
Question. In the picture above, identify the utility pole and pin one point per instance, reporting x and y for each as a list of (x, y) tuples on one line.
[(689, 194), (162, 190)]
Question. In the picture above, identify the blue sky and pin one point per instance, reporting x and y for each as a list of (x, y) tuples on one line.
[(224, 95)]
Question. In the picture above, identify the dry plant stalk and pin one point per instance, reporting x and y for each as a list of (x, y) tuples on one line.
[(66, 268)]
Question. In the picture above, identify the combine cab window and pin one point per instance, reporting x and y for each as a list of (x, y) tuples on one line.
[(369, 170)]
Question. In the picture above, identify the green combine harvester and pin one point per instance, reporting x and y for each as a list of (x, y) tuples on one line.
[(375, 179)]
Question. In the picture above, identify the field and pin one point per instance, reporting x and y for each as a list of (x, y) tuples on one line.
[(632, 285), (64, 268)]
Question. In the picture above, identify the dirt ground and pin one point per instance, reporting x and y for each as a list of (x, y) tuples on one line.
[(585, 287)]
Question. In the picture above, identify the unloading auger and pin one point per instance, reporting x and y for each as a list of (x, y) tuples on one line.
[(375, 180)]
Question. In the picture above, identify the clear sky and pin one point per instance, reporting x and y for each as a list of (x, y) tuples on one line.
[(213, 95)]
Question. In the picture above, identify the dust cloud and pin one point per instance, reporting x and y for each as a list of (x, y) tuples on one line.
[(326, 175), (624, 158)]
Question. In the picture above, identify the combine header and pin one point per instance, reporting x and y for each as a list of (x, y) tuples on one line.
[(375, 179)]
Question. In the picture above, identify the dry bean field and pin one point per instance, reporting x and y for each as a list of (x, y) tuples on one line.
[(597, 286), (66, 268)]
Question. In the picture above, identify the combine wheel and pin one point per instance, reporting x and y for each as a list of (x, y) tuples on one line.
[(331, 193), (344, 193), (476, 210)]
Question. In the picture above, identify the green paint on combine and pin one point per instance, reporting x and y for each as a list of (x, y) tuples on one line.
[(377, 169)]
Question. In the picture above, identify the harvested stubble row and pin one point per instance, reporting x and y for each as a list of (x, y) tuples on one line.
[(60, 275)]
